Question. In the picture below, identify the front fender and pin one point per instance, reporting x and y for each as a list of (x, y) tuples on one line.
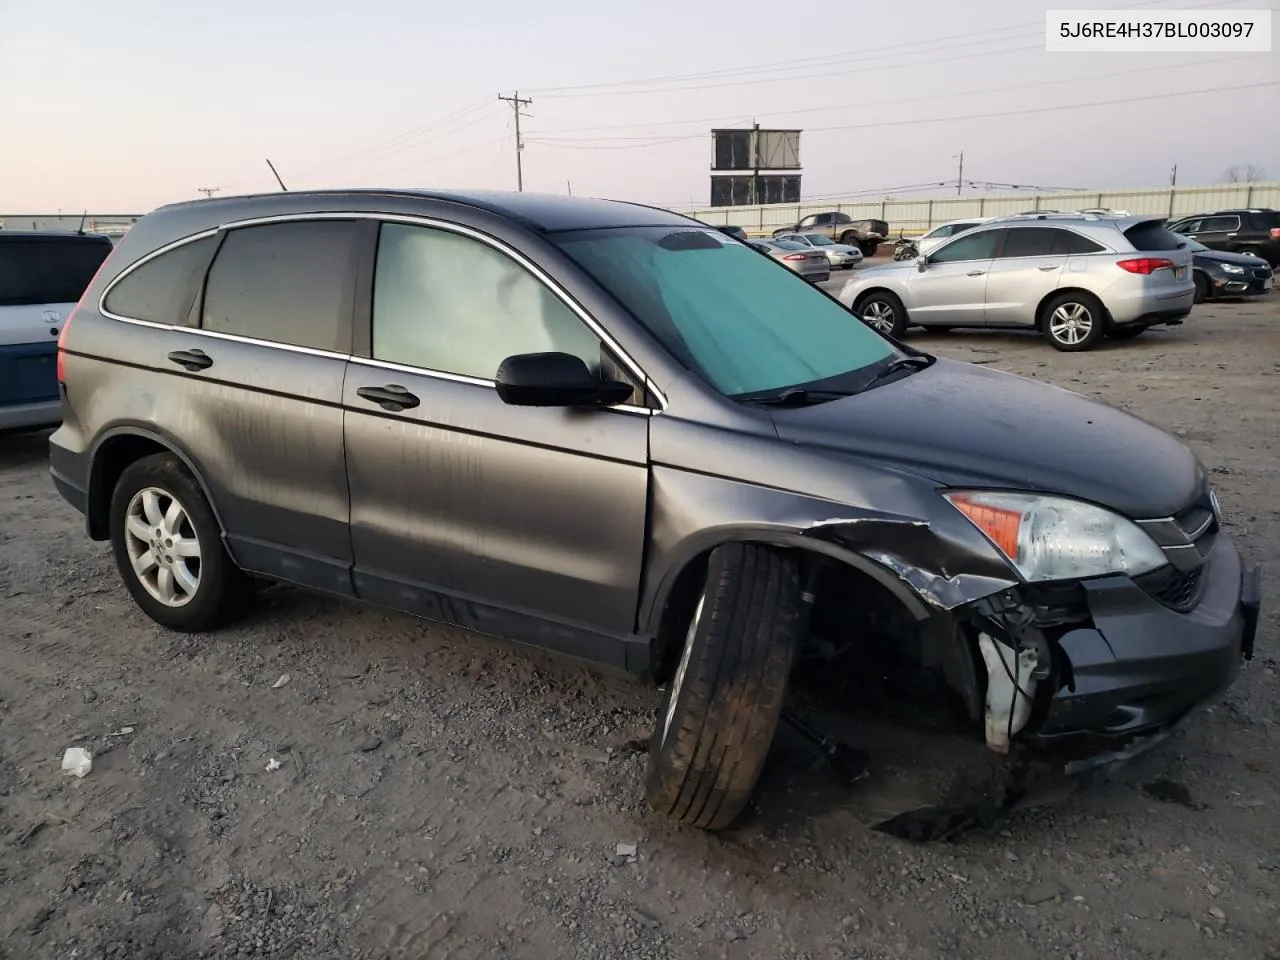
[(932, 561)]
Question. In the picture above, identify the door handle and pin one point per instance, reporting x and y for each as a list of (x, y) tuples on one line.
[(391, 397), (192, 360), (975, 273), (1049, 266)]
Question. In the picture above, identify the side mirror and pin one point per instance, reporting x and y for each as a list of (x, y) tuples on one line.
[(555, 380), (922, 264)]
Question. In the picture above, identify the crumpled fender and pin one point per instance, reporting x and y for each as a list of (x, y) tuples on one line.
[(926, 554)]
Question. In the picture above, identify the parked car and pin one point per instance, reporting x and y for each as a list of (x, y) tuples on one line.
[(866, 235), (1074, 277), (797, 257), (1255, 231), (42, 275), (1220, 274), (935, 236), (736, 232), (608, 430), (839, 255)]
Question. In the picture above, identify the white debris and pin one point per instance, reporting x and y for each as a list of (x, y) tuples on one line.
[(284, 678), (625, 853), (77, 761), (273, 765)]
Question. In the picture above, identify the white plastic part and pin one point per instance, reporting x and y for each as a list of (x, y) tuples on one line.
[(77, 761), (1007, 709)]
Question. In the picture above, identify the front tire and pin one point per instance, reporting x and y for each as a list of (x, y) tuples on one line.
[(868, 248), (169, 551), (883, 312), (717, 721), (1074, 321), (1202, 287)]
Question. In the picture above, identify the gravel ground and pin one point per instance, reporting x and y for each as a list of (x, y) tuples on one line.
[(416, 791)]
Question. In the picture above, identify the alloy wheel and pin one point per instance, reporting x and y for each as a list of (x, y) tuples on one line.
[(163, 547), (878, 315), (1071, 323)]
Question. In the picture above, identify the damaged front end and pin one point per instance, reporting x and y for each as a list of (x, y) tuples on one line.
[(1059, 679)]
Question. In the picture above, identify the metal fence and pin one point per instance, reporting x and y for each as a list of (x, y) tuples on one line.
[(919, 216)]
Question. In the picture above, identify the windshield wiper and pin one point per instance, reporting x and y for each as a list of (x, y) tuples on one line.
[(796, 397), (911, 362)]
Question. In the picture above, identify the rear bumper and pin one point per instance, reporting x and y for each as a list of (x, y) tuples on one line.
[(1142, 667), (30, 416), (1148, 308)]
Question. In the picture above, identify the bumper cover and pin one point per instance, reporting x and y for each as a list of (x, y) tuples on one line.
[(1142, 667)]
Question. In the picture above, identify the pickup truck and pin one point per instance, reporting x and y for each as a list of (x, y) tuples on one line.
[(866, 235)]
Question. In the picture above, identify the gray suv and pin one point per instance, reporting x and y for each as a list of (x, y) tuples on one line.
[(1074, 277), (615, 432)]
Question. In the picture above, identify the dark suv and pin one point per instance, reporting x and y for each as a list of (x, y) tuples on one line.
[(615, 432), (1255, 231)]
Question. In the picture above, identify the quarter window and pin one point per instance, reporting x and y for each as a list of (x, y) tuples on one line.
[(284, 282), (971, 246), (163, 289), (447, 302)]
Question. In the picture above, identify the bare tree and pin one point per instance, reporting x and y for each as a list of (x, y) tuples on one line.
[(1243, 173)]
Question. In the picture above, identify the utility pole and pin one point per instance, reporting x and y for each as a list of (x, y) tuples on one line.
[(1173, 177), (208, 191), (516, 103), (960, 174)]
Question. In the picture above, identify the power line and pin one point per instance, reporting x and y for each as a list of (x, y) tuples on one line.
[(516, 103)]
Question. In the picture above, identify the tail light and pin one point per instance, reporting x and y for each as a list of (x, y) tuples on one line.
[(1275, 233), (1145, 265), (796, 256)]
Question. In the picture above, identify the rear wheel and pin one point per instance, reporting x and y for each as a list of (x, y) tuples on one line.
[(1074, 321), (716, 724), (883, 312), (1202, 287), (169, 551), (868, 247)]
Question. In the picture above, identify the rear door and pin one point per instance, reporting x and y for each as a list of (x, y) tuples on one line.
[(41, 279), (1219, 232), (952, 288), (1028, 267)]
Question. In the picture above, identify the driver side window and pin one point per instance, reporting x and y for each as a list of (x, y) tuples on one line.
[(446, 302), (970, 246)]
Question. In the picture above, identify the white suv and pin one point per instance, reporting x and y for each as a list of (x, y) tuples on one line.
[(1074, 277)]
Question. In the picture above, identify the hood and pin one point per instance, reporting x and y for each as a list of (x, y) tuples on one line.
[(960, 424), (1222, 256)]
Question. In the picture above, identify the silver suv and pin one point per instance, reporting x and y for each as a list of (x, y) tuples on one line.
[(1074, 277)]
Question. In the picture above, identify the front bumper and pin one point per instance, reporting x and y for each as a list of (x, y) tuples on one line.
[(1141, 666), (1248, 285)]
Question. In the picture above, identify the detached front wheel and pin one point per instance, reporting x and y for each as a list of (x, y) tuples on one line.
[(717, 721)]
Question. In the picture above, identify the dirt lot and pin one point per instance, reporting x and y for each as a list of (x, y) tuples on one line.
[(444, 795)]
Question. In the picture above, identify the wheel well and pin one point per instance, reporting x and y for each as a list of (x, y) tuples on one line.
[(1042, 316), (110, 461), (848, 235)]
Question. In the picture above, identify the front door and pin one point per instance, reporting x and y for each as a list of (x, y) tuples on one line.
[(952, 288), (507, 519)]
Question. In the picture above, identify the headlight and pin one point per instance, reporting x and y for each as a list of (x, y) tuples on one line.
[(1231, 268), (1052, 538)]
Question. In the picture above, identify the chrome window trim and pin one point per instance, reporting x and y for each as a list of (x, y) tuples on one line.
[(413, 220)]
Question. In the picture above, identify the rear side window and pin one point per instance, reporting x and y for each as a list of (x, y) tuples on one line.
[(48, 270), (1151, 236), (163, 289), (1221, 224), (1046, 242), (284, 282)]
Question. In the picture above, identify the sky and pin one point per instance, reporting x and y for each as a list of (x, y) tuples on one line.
[(123, 106)]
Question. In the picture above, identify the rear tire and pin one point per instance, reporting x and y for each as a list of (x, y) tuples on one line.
[(717, 721), (1073, 321), (169, 551), (883, 312), (1203, 291), (868, 248)]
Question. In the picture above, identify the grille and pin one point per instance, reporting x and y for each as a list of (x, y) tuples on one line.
[(1176, 589)]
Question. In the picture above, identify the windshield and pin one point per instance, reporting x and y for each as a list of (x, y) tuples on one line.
[(725, 313), (818, 240)]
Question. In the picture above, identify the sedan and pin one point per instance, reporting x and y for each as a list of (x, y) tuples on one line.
[(802, 260), (841, 256), (1219, 273)]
